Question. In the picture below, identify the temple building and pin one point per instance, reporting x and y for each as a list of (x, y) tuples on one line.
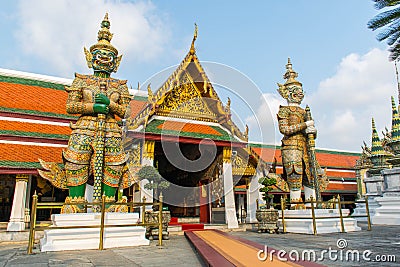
[(182, 128)]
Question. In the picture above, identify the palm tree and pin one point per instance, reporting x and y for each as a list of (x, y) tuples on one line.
[(389, 22)]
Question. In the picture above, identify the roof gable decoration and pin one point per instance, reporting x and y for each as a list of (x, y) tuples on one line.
[(187, 93), (185, 101)]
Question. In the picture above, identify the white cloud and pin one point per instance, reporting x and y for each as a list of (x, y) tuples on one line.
[(344, 104), (263, 124), (54, 32)]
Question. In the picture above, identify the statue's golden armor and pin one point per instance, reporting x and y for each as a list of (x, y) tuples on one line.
[(295, 159), (79, 154)]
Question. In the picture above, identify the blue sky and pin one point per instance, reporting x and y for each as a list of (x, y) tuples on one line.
[(345, 72)]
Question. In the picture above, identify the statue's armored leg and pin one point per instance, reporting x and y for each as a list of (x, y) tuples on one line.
[(308, 193), (294, 182), (112, 176), (109, 191), (77, 191), (77, 176)]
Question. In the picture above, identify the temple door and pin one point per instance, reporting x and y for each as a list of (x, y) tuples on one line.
[(204, 203)]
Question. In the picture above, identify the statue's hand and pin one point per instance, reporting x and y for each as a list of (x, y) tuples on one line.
[(311, 130), (102, 99), (310, 123), (100, 108)]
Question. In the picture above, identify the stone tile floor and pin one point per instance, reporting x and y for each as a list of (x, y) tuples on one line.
[(382, 240)]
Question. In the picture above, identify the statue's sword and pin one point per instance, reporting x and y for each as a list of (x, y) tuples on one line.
[(99, 153), (311, 155)]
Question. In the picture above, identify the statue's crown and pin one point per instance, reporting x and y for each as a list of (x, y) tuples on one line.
[(290, 75), (104, 37)]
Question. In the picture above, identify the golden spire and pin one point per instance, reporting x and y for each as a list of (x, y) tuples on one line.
[(104, 37), (192, 49), (290, 75)]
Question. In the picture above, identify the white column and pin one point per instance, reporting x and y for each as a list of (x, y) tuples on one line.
[(18, 207), (147, 159), (230, 210), (253, 195)]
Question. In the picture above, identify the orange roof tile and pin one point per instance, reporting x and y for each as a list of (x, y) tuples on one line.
[(341, 187), (349, 174), (34, 127), (268, 154), (36, 98), (339, 160), (30, 153), (136, 106), (188, 127)]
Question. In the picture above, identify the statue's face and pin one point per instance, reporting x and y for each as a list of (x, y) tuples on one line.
[(296, 94), (104, 60)]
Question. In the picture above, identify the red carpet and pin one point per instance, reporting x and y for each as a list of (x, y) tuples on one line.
[(173, 221), (186, 226), (192, 226)]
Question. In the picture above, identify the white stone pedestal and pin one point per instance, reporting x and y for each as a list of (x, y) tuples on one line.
[(389, 211), (360, 209), (89, 238), (300, 221)]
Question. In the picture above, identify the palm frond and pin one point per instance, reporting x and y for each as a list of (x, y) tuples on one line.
[(379, 4), (384, 19), (394, 51), (394, 37), (388, 32)]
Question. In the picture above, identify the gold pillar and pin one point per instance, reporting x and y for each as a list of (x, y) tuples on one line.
[(148, 151), (22, 177), (227, 154)]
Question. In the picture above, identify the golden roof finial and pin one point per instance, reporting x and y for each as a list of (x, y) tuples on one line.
[(192, 49)]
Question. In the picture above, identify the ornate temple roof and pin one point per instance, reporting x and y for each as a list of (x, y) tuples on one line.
[(189, 94)]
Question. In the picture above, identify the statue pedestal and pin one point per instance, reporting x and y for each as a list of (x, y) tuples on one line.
[(300, 221), (361, 211), (89, 238), (389, 211)]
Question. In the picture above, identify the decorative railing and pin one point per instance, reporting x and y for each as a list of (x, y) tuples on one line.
[(335, 203), (131, 205)]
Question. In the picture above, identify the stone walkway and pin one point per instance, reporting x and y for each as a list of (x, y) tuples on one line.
[(382, 240), (176, 252)]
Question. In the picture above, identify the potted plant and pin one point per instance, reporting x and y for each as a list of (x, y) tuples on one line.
[(267, 216), (156, 183), (267, 186)]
